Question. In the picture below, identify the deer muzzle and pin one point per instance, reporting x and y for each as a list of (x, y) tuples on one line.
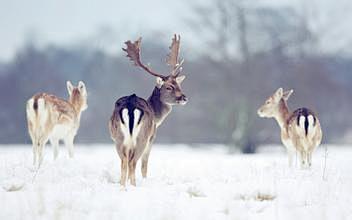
[(182, 100), (260, 112)]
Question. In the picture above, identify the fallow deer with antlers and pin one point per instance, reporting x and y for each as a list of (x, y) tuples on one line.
[(300, 130), (135, 120)]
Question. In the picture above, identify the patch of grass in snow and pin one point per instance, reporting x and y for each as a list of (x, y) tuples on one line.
[(194, 192), (264, 197), (13, 187), (258, 197)]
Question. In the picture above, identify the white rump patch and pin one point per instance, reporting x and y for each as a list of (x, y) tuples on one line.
[(125, 117), (42, 112), (302, 119), (30, 110), (125, 127), (311, 128), (311, 120), (136, 127), (39, 118), (130, 140)]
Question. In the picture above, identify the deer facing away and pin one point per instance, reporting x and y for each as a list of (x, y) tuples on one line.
[(300, 130), (52, 118), (134, 120)]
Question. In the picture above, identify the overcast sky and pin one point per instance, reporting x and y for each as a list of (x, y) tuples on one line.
[(66, 21), (63, 21)]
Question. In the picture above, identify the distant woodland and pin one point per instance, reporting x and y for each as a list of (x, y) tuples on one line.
[(248, 53)]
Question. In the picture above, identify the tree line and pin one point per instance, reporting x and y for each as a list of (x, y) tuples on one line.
[(248, 52)]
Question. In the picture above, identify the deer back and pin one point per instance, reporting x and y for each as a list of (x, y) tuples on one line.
[(59, 110)]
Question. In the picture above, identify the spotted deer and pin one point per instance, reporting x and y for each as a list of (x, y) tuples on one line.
[(52, 118), (300, 130), (135, 120)]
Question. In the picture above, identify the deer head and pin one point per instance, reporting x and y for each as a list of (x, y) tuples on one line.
[(169, 85), (78, 95), (271, 107)]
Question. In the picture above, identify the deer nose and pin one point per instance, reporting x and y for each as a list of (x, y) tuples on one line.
[(183, 99)]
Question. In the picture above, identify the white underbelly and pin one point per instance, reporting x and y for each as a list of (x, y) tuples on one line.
[(289, 145), (61, 131)]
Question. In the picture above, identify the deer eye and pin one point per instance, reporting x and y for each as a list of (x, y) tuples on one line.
[(169, 88), (267, 102)]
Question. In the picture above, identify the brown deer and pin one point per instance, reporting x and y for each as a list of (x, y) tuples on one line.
[(300, 130), (134, 120), (52, 118)]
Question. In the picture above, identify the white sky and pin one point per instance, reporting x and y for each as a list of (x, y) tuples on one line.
[(66, 21)]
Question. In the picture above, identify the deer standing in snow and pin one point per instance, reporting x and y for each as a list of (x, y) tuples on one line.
[(300, 130), (134, 120), (52, 118)]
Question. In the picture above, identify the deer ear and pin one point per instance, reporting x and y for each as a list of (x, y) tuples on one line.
[(180, 79), (82, 87), (69, 87), (279, 93), (159, 82), (287, 94)]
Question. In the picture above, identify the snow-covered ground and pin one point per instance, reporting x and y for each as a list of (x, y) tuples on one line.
[(183, 183)]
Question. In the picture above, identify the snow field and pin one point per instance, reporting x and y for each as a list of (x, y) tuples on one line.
[(183, 183)]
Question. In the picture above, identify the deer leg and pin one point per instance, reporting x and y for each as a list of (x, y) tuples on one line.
[(124, 163), (34, 144), (145, 159), (35, 150), (303, 156), (131, 167), (145, 165), (55, 144), (145, 156), (132, 171), (309, 157), (40, 148), (69, 144)]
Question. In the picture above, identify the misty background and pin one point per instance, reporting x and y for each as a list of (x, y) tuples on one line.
[(237, 53)]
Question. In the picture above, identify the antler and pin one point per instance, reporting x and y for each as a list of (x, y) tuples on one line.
[(172, 57), (133, 51)]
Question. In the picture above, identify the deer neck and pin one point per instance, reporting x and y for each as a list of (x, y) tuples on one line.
[(77, 107), (161, 109), (283, 114)]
